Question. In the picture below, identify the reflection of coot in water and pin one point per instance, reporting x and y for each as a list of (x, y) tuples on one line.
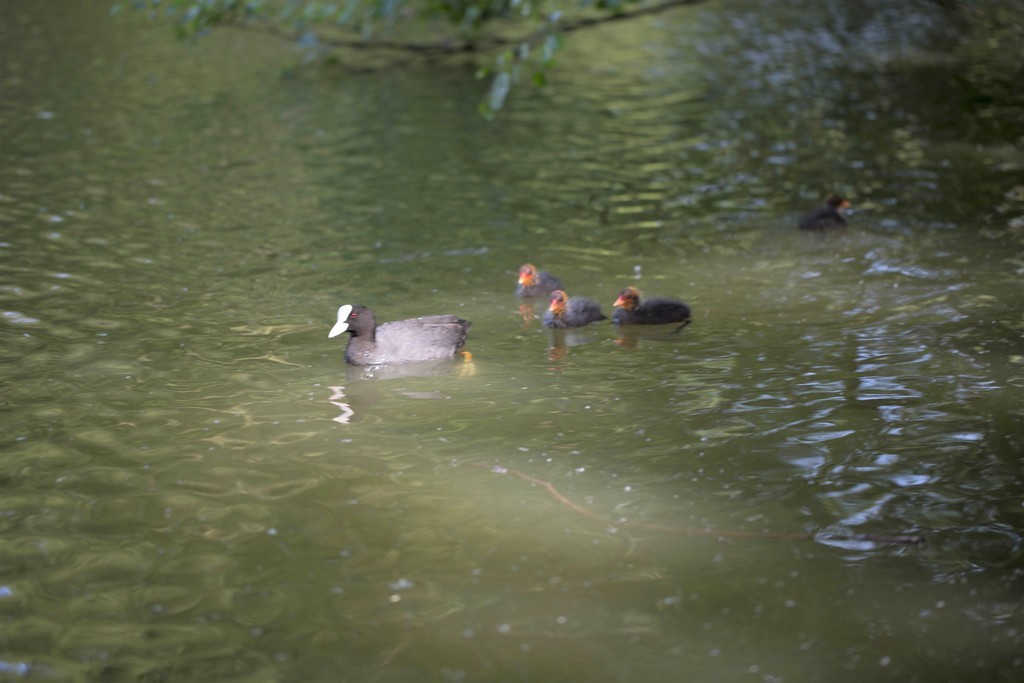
[(366, 386), (564, 339), (431, 337), (630, 310), (533, 282), (427, 368), (828, 217), (574, 311)]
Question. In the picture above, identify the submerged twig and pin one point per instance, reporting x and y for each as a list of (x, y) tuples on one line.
[(899, 539)]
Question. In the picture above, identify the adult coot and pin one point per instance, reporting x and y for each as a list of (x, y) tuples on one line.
[(576, 311), (403, 341), (629, 310), (533, 282), (827, 217)]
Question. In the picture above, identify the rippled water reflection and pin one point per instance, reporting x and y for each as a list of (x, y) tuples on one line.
[(195, 487)]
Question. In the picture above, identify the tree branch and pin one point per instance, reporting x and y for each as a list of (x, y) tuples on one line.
[(466, 45)]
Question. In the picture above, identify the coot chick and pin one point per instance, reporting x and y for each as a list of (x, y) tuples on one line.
[(827, 217), (629, 310), (533, 282), (431, 337), (576, 311)]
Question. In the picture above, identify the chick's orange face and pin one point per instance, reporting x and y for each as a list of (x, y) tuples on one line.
[(838, 202), (527, 275), (557, 305), (627, 298)]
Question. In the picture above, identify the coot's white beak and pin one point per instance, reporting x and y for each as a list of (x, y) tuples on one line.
[(342, 324)]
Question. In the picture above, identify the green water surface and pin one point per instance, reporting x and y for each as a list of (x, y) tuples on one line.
[(194, 487)]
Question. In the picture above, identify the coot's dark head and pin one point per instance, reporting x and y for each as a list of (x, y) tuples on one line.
[(558, 301), (837, 202), (629, 298), (355, 319), (527, 275)]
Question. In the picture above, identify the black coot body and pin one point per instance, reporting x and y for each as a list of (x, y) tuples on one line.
[(828, 217), (431, 337), (630, 310), (576, 311)]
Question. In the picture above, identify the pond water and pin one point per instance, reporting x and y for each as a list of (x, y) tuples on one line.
[(195, 486)]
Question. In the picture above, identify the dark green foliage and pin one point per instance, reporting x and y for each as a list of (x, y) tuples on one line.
[(508, 35), (470, 12), (427, 27)]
